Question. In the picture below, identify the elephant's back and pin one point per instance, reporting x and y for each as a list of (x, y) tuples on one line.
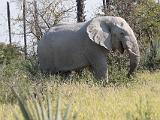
[(66, 27)]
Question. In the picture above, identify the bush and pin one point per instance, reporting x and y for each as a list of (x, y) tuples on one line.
[(151, 59), (31, 65), (118, 68), (8, 52)]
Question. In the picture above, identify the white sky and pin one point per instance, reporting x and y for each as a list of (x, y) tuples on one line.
[(91, 5)]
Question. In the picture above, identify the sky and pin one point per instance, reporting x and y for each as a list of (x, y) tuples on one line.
[(90, 7)]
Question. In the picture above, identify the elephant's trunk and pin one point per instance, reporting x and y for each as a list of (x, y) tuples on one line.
[(134, 56), (132, 48)]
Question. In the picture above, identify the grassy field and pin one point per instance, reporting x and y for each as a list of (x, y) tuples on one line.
[(136, 100)]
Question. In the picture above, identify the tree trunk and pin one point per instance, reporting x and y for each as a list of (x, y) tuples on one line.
[(38, 32), (106, 7), (80, 10)]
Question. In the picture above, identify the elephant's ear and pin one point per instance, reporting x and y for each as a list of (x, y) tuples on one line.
[(99, 33)]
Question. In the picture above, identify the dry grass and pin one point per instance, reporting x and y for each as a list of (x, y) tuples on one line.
[(137, 101)]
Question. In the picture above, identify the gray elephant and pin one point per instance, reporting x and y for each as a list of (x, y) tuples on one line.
[(75, 46)]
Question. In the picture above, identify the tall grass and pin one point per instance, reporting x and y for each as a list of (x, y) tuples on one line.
[(140, 101), (35, 109)]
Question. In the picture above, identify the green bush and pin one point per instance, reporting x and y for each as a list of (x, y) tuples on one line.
[(147, 28), (8, 52), (31, 66), (151, 59), (118, 68), (12, 75)]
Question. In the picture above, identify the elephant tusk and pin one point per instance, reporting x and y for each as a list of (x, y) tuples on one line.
[(130, 51)]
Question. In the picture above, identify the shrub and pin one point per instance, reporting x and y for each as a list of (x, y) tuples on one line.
[(118, 68), (31, 66), (151, 59), (8, 52)]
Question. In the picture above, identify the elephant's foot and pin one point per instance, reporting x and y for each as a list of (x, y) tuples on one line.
[(101, 73), (101, 76)]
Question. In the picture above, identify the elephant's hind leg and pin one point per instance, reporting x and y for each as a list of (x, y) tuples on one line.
[(47, 68)]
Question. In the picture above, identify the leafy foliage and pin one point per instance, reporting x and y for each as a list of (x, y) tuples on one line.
[(147, 28), (152, 57), (31, 65), (8, 52), (118, 69), (147, 22)]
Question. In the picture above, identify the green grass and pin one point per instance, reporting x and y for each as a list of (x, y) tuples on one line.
[(130, 101)]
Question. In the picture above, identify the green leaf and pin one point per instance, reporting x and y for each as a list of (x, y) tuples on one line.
[(58, 109), (23, 106), (50, 115)]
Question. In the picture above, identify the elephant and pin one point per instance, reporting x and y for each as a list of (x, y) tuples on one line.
[(74, 46)]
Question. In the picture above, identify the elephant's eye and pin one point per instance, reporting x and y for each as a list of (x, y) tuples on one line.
[(122, 33)]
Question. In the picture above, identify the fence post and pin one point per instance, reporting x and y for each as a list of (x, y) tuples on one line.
[(24, 28), (9, 23)]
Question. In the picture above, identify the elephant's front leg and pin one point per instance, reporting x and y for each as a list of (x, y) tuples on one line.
[(100, 69)]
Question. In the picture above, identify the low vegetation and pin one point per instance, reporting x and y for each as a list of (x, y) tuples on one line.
[(121, 99)]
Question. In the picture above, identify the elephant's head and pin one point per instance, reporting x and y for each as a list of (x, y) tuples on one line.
[(114, 33)]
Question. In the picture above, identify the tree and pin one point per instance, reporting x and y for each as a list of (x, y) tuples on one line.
[(80, 10), (38, 31), (43, 14), (147, 27), (106, 7)]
